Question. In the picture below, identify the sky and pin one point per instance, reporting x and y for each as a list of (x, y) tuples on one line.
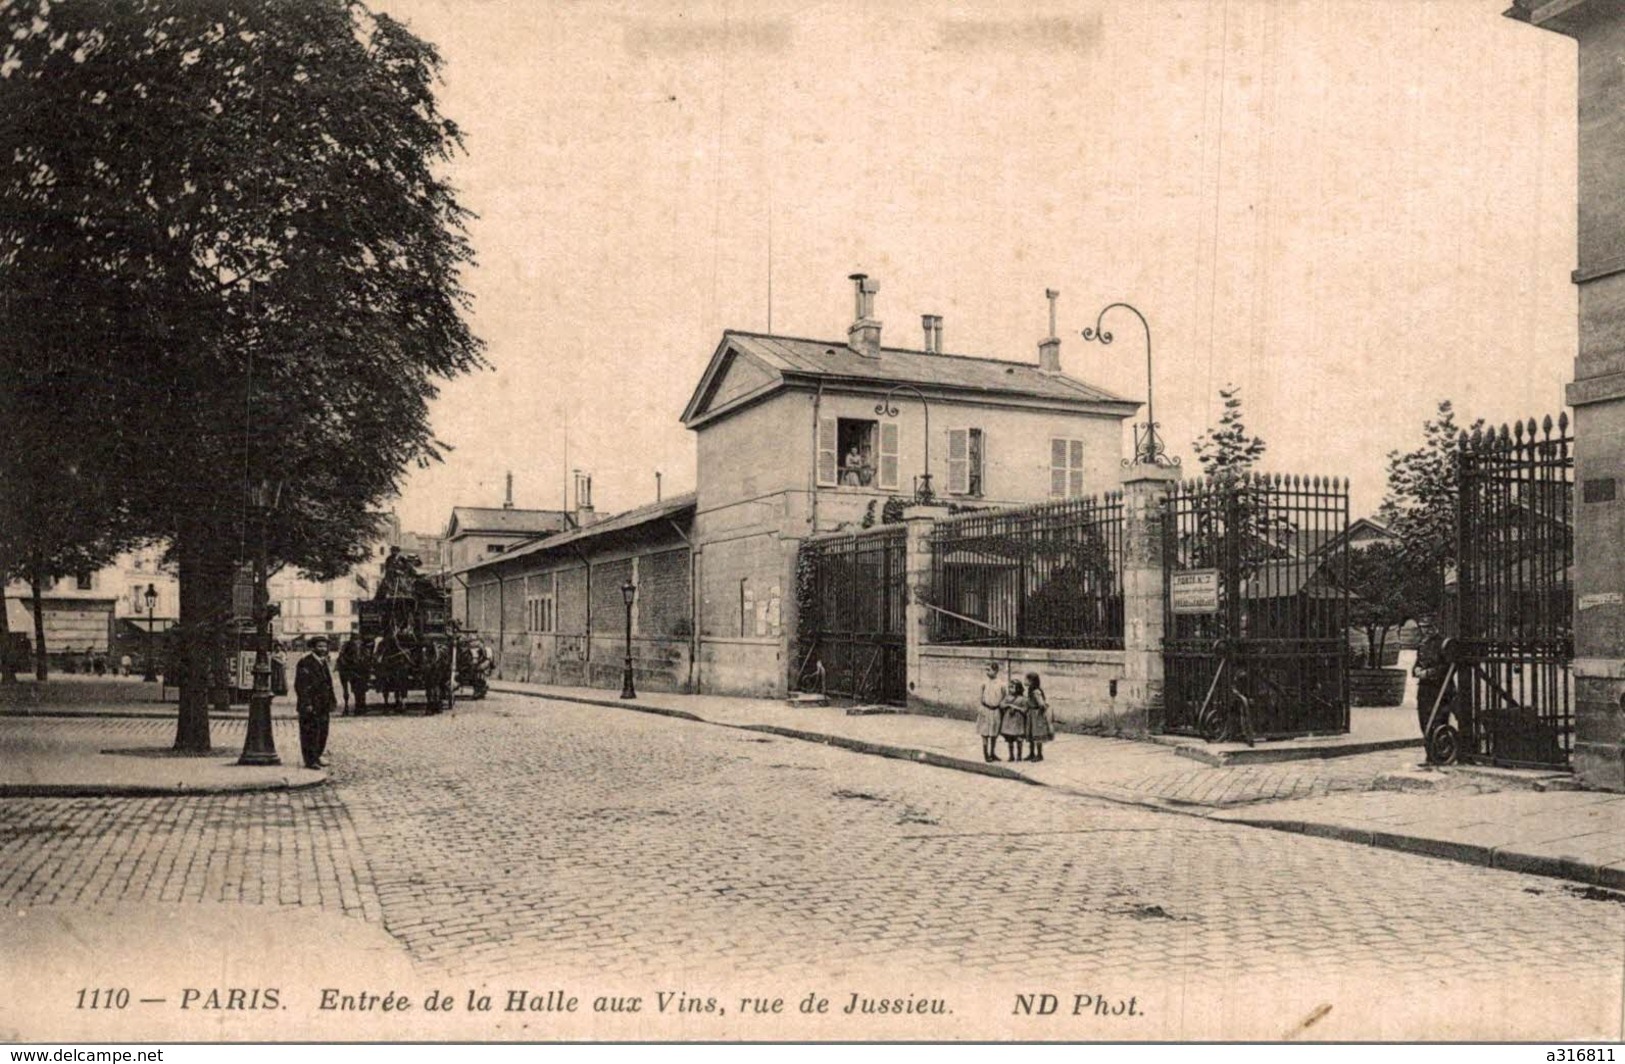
[(1350, 210)]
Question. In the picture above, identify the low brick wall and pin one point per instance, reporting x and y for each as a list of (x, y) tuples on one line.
[(1084, 686)]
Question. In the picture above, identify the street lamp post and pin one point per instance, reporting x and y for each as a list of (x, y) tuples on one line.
[(629, 592), (259, 747), (1148, 448), (152, 604), (922, 492)]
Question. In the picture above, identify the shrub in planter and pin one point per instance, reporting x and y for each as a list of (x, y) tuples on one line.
[(1376, 687)]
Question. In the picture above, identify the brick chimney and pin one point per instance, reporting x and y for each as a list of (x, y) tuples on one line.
[(507, 501), (932, 324), (864, 334), (585, 514), (1049, 349)]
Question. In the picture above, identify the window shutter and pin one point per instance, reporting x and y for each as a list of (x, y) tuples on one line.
[(826, 451), (1057, 468), (976, 450), (888, 455), (958, 461), (1074, 484)]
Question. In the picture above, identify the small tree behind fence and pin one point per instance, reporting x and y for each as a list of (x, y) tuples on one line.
[(1049, 575)]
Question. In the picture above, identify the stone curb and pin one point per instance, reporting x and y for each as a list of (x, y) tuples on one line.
[(1280, 755), (1610, 876), (1466, 853), (168, 713), (152, 790)]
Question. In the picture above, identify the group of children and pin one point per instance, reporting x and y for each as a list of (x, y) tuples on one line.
[(1017, 713)]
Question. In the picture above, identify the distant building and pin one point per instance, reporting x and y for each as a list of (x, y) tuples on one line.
[(102, 612), (475, 533)]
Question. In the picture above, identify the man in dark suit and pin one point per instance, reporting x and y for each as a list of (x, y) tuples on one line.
[(313, 689)]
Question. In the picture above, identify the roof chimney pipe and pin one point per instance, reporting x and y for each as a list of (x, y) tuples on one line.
[(864, 334), (584, 514), (928, 323), (1049, 349), (507, 501)]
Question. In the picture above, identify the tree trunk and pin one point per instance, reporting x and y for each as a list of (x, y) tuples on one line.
[(36, 582), (218, 588), (8, 668), (193, 649), (1373, 656)]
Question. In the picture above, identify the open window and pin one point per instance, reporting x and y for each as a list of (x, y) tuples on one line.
[(965, 451), (857, 453)]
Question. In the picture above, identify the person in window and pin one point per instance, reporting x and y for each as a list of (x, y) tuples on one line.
[(852, 467)]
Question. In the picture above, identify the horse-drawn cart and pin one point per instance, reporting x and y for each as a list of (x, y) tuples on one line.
[(405, 642)]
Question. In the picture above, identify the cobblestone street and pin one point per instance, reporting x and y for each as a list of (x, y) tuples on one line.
[(523, 839)]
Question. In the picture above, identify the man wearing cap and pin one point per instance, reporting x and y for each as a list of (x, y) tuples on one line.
[(313, 689)]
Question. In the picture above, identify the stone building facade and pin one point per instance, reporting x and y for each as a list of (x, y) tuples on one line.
[(1597, 393), (552, 610)]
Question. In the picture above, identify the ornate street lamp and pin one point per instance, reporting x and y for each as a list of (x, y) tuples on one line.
[(259, 747), (629, 592), (1148, 448), (152, 604), (922, 490)]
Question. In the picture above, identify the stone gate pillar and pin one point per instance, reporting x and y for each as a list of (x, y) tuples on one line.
[(1598, 391), (1145, 487), (918, 521)]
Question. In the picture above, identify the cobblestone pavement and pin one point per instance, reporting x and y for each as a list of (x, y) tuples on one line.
[(520, 836)]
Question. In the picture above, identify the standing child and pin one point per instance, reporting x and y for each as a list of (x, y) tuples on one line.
[(1039, 728), (987, 717), (1014, 724)]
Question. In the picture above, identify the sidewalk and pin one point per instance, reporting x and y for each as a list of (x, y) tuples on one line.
[(1378, 797), (79, 736)]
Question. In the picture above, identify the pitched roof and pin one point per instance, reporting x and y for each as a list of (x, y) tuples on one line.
[(642, 515), (789, 357), (497, 519)]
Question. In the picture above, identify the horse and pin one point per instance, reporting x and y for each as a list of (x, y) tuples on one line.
[(393, 664), (435, 665), (355, 669)]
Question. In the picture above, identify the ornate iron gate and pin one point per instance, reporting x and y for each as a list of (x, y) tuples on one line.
[(1256, 643), (852, 603), (1513, 693)]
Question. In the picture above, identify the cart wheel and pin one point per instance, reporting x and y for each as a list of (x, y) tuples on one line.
[(1443, 744)]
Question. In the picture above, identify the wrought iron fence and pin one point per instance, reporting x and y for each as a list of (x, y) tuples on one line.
[(1515, 697), (1257, 606), (1049, 575), (852, 607)]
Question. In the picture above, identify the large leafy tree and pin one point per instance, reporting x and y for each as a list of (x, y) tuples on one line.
[(1423, 488), (267, 262)]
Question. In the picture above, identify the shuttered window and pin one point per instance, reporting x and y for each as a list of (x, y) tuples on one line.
[(888, 455), (1065, 468), (965, 450)]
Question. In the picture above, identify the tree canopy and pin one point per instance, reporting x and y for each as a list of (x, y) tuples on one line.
[(228, 227), (1226, 450), (1423, 487)]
